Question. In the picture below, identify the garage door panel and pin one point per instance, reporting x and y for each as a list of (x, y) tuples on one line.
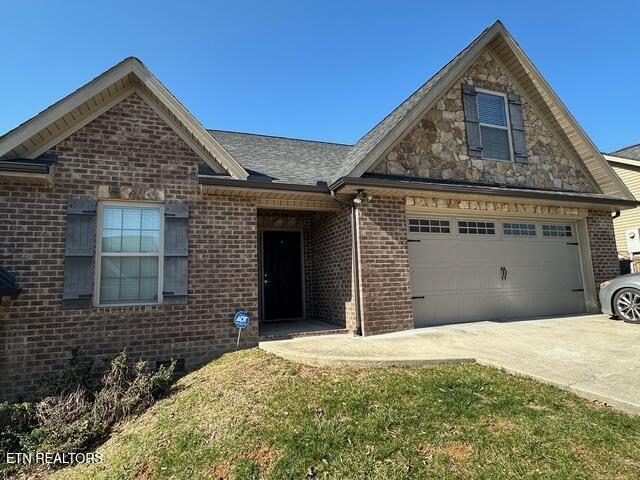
[(425, 279), (438, 252), (479, 278), (458, 276)]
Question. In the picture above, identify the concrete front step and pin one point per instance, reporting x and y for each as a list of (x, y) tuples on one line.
[(289, 335)]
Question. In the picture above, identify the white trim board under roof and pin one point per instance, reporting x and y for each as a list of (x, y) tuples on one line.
[(378, 141), (622, 160), (60, 120)]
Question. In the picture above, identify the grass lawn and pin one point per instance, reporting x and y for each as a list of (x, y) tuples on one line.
[(252, 415)]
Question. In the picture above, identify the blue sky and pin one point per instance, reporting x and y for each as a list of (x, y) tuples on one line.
[(325, 70)]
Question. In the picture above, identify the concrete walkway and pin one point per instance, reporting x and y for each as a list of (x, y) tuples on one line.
[(592, 356)]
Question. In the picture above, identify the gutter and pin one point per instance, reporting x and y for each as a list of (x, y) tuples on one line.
[(23, 167), (398, 184), (42, 164), (355, 258), (225, 181)]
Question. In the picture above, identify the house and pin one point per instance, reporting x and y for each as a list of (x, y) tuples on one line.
[(128, 224), (626, 164)]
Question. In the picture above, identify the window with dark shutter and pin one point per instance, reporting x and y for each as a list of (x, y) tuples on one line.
[(494, 125), (79, 253)]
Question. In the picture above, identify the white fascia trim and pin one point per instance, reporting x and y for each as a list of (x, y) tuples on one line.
[(209, 149), (188, 120), (537, 77)]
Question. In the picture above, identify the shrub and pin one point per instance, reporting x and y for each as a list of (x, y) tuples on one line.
[(127, 391), (73, 420), (60, 410)]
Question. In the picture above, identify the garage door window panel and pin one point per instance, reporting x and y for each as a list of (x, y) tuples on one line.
[(519, 229), (476, 228), (429, 225), (555, 230)]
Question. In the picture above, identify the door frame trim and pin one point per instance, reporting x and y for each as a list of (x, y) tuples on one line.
[(261, 271)]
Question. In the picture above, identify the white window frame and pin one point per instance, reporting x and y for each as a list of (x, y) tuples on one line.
[(449, 225), (491, 125), (100, 253), (555, 237)]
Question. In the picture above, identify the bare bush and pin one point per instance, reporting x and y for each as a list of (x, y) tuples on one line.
[(60, 410)]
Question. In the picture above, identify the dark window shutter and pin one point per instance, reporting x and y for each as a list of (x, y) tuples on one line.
[(517, 129), (471, 121), (79, 253), (176, 253)]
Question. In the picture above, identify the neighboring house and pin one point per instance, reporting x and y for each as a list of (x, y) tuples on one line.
[(130, 225), (626, 163)]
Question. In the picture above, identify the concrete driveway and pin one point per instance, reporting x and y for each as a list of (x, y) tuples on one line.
[(591, 355)]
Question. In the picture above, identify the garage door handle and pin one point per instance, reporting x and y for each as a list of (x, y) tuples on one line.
[(414, 298), (503, 273)]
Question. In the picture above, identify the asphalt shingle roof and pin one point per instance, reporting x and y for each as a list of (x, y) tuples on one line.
[(284, 160), (632, 152), (362, 148), (307, 162)]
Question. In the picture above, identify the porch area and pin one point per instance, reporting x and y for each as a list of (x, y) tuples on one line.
[(305, 280)]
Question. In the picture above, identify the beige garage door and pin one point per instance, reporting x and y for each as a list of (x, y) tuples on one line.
[(467, 269)]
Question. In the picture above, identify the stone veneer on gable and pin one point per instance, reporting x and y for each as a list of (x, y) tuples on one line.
[(437, 146)]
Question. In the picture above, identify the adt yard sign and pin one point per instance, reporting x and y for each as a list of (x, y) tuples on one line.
[(242, 320)]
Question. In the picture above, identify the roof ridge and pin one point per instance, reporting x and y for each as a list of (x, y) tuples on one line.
[(625, 148), (279, 137), (425, 82)]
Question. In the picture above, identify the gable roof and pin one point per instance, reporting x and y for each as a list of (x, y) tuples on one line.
[(632, 152), (383, 136), (37, 135), (284, 160)]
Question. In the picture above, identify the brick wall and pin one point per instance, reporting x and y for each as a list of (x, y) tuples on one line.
[(604, 256), (330, 246), (385, 279), (327, 261), (127, 146)]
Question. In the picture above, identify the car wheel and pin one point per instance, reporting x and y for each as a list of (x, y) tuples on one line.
[(626, 304)]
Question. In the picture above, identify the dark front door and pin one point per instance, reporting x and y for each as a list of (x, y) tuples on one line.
[(282, 275)]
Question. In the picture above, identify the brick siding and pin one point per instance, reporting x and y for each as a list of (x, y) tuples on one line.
[(332, 289), (602, 241), (327, 261), (384, 274), (127, 146)]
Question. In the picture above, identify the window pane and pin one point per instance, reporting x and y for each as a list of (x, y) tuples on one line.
[(150, 219), (130, 267), (148, 267), (129, 289), (111, 240), (109, 290), (112, 218), (476, 228), (428, 225), (130, 241), (131, 230), (131, 218), (148, 289), (495, 143), (556, 230), (110, 267), (150, 241), (491, 109)]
